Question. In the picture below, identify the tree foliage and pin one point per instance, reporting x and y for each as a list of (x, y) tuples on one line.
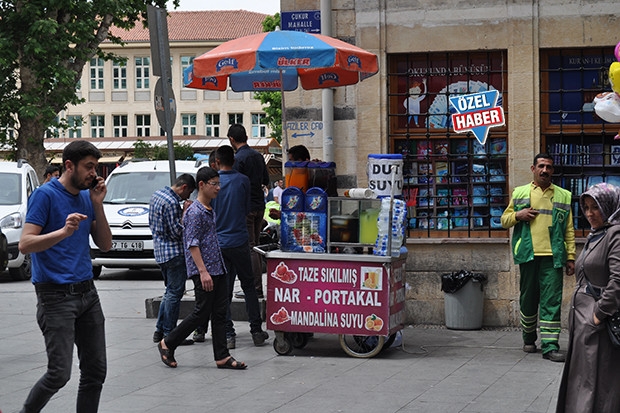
[(272, 105), (182, 151), (272, 101), (142, 150), (44, 46), (271, 23)]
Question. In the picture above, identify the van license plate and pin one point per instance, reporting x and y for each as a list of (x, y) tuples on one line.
[(127, 245)]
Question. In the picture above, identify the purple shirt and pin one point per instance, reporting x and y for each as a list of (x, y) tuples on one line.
[(200, 231)]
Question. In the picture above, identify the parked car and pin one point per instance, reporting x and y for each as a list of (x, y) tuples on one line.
[(126, 206), (17, 182), (4, 252)]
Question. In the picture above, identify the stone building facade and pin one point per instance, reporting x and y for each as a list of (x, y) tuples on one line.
[(533, 46)]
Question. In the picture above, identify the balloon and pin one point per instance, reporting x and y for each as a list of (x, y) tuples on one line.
[(614, 76), (607, 105)]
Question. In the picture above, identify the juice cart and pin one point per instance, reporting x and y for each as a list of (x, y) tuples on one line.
[(334, 273), (359, 297)]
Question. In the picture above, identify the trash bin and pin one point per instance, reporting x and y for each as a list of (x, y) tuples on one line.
[(463, 299)]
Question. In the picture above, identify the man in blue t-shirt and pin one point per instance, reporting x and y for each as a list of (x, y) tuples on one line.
[(231, 207), (61, 216)]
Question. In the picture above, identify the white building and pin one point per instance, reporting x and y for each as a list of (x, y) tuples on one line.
[(119, 97)]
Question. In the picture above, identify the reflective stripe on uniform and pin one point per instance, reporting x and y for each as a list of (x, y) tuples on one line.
[(550, 331), (528, 323)]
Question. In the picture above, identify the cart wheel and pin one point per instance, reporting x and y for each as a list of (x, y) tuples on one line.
[(282, 346), (389, 342), (299, 340), (361, 346)]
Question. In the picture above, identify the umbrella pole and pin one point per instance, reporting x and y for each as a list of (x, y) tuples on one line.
[(283, 107)]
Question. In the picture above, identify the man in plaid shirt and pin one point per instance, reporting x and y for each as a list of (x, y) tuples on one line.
[(165, 213)]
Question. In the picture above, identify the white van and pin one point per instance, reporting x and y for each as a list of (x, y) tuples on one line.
[(126, 207), (17, 182)]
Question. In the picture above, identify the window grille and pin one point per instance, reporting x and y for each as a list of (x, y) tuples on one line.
[(582, 144), (454, 186)]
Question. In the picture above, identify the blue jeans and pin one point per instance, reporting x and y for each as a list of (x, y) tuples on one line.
[(238, 263), (64, 319), (175, 276), (209, 305)]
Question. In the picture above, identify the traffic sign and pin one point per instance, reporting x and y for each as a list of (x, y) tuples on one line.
[(160, 107), (307, 129)]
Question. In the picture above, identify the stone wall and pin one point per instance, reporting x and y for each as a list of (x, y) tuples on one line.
[(520, 28)]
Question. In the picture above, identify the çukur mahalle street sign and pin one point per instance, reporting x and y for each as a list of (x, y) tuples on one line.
[(477, 112), (308, 21)]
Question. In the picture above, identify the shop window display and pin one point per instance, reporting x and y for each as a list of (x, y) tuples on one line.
[(582, 145), (453, 184)]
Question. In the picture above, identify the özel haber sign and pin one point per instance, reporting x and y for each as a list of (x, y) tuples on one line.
[(477, 113)]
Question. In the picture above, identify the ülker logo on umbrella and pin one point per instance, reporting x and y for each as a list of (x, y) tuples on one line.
[(297, 62)]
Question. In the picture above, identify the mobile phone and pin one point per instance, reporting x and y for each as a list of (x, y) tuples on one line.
[(94, 183)]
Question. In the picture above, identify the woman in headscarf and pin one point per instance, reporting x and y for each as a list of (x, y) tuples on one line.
[(591, 379)]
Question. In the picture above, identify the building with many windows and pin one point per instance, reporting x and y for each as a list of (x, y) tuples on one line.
[(119, 96)]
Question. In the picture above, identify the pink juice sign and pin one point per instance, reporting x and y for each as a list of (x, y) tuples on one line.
[(338, 297)]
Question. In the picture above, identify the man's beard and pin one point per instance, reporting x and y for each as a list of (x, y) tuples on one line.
[(77, 184)]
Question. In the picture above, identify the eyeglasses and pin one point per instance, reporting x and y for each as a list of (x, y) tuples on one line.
[(213, 183)]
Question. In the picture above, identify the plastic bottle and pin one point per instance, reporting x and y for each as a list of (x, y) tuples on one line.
[(399, 214), (383, 223), (383, 229), (391, 232)]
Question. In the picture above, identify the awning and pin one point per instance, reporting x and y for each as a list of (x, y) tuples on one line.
[(274, 165), (110, 159)]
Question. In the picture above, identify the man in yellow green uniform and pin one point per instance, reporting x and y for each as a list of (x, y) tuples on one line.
[(543, 243)]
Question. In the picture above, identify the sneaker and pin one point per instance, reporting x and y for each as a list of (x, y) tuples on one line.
[(555, 355), (199, 336), (530, 348), (158, 336), (259, 338), (240, 295), (231, 343)]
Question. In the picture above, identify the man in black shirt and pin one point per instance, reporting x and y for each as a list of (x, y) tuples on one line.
[(252, 164)]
